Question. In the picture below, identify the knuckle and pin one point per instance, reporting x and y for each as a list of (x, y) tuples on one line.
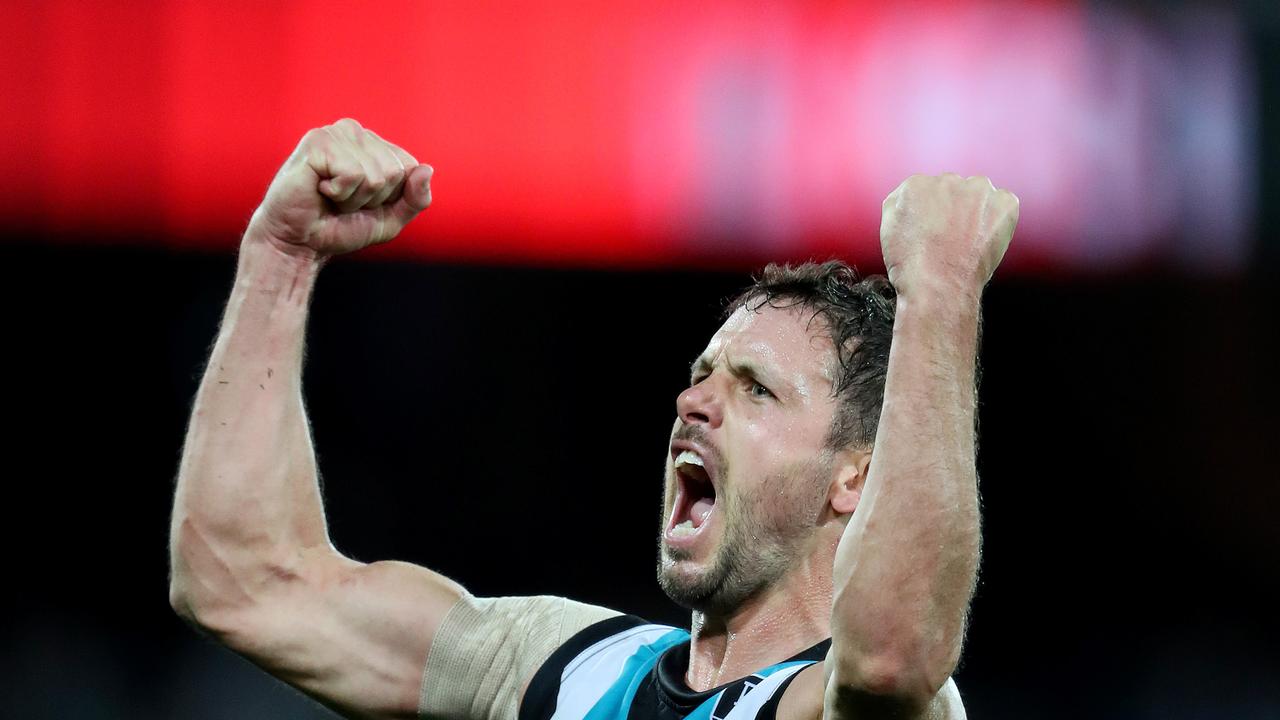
[(406, 159), (369, 139), (908, 185), (347, 123), (316, 139)]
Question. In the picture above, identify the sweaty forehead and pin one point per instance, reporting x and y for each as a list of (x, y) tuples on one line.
[(778, 341)]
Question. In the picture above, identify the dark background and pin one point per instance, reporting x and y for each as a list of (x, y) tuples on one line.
[(505, 425)]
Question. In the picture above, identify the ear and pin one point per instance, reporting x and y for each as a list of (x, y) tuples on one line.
[(846, 486)]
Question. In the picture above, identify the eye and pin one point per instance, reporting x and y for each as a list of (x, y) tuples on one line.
[(759, 390)]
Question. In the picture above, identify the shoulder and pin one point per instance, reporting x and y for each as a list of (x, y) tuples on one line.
[(486, 650), (804, 696)]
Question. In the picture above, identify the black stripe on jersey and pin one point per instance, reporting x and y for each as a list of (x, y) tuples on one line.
[(540, 699), (769, 710), (663, 694)]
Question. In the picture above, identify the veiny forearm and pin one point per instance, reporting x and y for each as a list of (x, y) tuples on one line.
[(907, 562), (247, 501)]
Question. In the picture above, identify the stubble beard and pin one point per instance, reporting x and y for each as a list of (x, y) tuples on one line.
[(755, 552)]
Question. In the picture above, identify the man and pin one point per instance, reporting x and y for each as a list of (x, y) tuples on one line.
[(825, 541)]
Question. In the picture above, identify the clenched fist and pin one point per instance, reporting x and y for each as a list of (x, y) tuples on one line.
[(946, 230), (343, 189)]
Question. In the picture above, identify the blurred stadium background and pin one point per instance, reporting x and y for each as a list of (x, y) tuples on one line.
[(491, 393)]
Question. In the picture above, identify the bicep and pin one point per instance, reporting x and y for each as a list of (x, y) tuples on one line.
[(354, 636)]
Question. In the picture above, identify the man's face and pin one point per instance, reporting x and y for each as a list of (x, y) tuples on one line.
[(748, 471)]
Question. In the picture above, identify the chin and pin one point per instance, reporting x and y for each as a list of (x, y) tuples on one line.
[(709, 586), (686, 581), (720, 584), (687, 590)]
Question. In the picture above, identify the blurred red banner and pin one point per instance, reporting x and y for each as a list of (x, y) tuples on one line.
[(629, 133)]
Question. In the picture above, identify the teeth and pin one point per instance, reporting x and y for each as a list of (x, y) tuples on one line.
[(684, 529), (689, 457)]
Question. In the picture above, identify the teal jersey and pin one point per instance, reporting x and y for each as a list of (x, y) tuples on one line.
[(626, 669)]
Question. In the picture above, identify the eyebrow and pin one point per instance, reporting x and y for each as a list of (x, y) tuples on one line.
[(740, 368), (699, 364)]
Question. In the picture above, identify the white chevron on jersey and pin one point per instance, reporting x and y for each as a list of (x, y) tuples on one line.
[(589, 675), (594, 672), (749, 703)]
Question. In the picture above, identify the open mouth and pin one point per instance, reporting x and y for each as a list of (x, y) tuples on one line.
[(695, 496)]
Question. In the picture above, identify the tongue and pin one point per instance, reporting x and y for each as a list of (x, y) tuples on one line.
[(700, 510)]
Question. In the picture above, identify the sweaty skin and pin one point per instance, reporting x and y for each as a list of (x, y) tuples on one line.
[(891, 562), (760, 402), (880, 553), (251, 562)]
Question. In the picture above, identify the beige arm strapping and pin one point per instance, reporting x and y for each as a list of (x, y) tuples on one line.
[(487, 650)]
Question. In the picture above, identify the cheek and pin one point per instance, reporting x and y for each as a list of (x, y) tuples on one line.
[(790, 499), (765, 440), (760, 510), (774, 444)]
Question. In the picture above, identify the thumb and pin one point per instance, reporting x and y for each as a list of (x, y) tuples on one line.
[(415, 197), (417, 188)]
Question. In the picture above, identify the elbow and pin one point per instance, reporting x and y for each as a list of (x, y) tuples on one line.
[(902, 680), (180, 602), (181, 595), (903, 656), (226, 624), (188, 604), (221, 612), (189, 553), (196, 608), (210, 588), (226, 590), (892, 678)]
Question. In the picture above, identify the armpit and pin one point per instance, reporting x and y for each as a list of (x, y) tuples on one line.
[(487, 649)]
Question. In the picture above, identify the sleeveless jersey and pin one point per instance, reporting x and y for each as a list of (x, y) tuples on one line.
[(624, 668)]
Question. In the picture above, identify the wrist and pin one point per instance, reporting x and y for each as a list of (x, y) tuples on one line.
[(259, 232), (936, 290), (272, 266), (266, 248)]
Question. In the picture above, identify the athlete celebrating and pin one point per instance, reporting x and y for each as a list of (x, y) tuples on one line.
[(821, 515)]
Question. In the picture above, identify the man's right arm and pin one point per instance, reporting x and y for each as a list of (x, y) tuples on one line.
[(251, 559)]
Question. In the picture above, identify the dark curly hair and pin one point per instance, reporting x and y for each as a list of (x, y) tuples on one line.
[(858, 315)]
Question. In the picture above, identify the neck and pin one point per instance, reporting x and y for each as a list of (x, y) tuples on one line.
[(789, 616)]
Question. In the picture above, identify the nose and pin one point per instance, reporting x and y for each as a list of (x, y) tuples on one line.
[(700, 405)]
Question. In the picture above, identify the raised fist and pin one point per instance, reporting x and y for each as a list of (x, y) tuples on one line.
[(946, 229), (343, 189)]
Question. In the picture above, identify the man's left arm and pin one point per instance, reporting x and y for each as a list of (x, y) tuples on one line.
[(907, 562)]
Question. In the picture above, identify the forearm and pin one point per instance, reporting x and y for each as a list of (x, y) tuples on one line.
[(247, 502), (907, 561)]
